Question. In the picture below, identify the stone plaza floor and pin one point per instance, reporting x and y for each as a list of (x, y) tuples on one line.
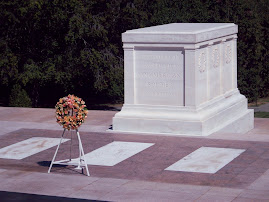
[(131, 167)]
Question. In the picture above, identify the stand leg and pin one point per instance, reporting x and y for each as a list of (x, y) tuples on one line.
[(79, 148), (82, 152), (56, 152)]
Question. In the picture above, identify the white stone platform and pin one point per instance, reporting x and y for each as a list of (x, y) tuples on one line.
[(250, 185)]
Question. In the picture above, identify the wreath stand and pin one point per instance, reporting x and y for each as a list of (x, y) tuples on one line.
[(79, 162)]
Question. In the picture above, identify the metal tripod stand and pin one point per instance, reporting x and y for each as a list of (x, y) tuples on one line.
[(79, 162)]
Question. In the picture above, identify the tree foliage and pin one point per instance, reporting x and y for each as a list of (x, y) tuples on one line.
[(51, 48)]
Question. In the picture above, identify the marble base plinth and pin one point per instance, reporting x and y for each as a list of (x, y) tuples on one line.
[(226, 113)]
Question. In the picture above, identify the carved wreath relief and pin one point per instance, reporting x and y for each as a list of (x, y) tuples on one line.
[(228, 54), (202, 62), (215, 58)]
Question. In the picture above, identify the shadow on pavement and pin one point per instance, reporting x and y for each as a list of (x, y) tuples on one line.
[(47, 164), (22, 197)]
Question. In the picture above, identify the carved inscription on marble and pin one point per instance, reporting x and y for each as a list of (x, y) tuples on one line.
[(202, 62), (159, 77), (215, 57), (228, 54)]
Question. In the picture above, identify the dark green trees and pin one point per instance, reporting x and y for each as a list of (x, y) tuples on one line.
[(52, 48)]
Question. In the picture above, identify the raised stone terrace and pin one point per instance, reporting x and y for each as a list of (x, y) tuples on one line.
[(130, 166)]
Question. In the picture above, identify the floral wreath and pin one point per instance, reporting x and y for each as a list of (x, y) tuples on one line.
[(71, 112)]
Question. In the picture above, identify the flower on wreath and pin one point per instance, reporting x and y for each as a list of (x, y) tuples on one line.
[(71, 112)]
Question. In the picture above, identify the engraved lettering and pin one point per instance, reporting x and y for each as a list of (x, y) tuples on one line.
[(158, 94), (158, 75), (157, 84), (170, 57)]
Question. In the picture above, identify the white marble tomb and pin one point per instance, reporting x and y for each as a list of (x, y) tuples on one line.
[(115, 152), (181, 79), (29, 147), (206, 160)]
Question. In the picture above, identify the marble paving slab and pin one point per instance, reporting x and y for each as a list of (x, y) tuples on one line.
[(115, 152), (28, 147), (206, 160)]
